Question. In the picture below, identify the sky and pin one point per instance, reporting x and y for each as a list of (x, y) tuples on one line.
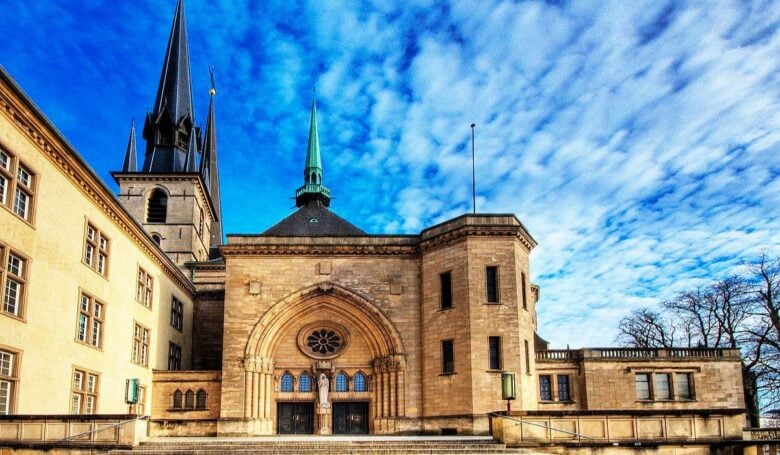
[(638, 141)]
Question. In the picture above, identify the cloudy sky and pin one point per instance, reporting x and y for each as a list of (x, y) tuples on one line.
[(639, 142)]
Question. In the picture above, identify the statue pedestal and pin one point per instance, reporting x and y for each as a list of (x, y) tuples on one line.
[(324, 419)]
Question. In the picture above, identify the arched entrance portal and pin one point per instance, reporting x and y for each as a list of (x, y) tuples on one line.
[(325, 360)]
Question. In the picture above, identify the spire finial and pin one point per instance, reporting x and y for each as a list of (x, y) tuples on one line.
[(129, 164), (312, 188), (213, 89), (172, 120)]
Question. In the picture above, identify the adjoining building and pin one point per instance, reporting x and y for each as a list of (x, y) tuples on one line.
[(132, 304)]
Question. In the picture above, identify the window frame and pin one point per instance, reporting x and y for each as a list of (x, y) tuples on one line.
[(91, 317), (283, 382), (446, 301), (658, 390), (647, 380), (12, 378), (691, 396), (161, 206), (498, 357), (177, 314), (310, 382), (560, 390), (359, 385), (144, 288), (495, 284), (141, 348), (545, 394), (174, 356), (83, 392), (21, 281), (341, 382), (100, 246), (10, 173), (524, 293), (447, 350)]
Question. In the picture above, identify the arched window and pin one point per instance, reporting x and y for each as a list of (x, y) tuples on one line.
[(157, 239), (177, 399), (286, 384), (342, 382), (200, 399), (359, 382), (189, 400), (156, 211), (304, 383)]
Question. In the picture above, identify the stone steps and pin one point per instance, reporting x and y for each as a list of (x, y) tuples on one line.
[(277, 446)]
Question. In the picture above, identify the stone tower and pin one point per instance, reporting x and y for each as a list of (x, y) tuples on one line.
[(173, 196)]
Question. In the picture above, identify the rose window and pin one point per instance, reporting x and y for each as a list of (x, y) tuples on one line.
[(323, 341)]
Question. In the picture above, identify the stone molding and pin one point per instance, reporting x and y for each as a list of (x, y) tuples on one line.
[(39, 130)]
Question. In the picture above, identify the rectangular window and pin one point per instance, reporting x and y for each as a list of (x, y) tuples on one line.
[(144, 288), (491, 282), (13, 274), (177, 314), (661, 387), (523, 290), (563, 388), (139, 408), (96, 249), (447, 357), (545, 387), (494, 353), (89, 328), (140, 345), (445, 282), (17, 185), (643, 386), (8, 380), (527, 358), (174, 356), (682, 386), (84, 392)]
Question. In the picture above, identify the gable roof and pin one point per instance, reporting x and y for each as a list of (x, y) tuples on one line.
[(313, 220)]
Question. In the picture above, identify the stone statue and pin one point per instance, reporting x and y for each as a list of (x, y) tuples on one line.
[(323, 383)]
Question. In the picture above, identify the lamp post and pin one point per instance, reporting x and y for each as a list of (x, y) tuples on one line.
[(508, 388)]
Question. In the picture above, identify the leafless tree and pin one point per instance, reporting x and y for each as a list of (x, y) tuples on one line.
[(741, 311)]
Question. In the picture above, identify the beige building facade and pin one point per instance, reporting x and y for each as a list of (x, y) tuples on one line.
[(312, 326)]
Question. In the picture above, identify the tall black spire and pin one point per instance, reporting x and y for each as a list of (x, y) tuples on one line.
[(171, 123), (129, 165), (210, 171)]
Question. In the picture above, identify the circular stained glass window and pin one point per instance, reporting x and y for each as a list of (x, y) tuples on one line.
[(323, 339)]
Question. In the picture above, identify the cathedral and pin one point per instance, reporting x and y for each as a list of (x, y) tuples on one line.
[(136, 304)]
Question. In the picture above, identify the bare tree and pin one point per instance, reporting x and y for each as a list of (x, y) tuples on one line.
[(646, 328), (741, 311)]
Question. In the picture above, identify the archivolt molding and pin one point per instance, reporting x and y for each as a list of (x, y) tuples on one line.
[(381, 334)]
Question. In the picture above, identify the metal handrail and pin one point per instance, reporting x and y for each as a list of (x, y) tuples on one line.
[(70, 438), (579, 435)]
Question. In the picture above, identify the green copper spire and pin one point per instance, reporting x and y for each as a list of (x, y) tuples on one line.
[(312, 189)]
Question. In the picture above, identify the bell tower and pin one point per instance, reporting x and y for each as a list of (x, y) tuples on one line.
[(175, 193)]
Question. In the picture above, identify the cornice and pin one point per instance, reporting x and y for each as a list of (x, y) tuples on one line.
[(38, 129), (461, 233), (319, 250)]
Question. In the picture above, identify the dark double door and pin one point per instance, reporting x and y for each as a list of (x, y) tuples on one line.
[(295, 418), (298, 418), (350, 418)]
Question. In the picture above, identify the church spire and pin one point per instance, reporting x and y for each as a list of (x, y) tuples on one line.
[(129, 165), (312, 189), (210, 171), (170, 125)]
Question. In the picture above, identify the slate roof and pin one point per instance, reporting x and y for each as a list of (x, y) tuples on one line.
[(312, 220)]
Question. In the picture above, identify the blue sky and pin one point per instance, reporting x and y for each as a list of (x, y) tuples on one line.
[(639, 142)]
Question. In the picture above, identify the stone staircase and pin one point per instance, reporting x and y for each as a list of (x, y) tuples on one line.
[(313, 445)]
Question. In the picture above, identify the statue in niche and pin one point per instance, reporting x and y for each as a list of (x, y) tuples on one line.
[(323, 385)]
